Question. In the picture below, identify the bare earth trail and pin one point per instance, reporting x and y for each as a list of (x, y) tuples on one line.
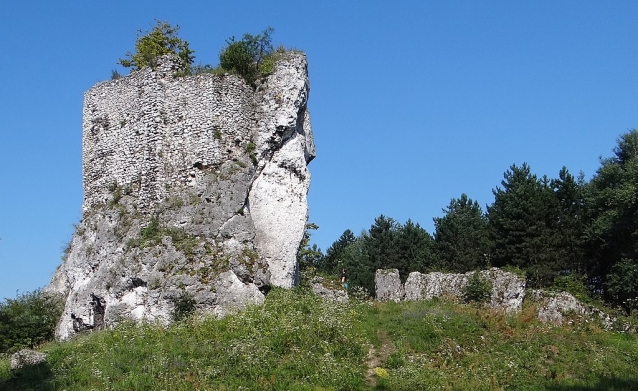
[(376, 357)]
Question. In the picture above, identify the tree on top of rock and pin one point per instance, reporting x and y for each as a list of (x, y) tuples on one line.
[(252, 57), (160, 41)]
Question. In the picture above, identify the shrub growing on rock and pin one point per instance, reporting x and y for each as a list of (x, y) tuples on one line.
[(251, 57), (158, 42), (184, 306), (478, 289)]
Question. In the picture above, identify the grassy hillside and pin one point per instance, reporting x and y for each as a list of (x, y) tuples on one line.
[(297, 341)]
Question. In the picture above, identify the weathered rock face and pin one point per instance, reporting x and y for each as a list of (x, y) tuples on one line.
[(428, 286), (555, 305), (560, 308), (192, 185), (387, 285), (508, 290)]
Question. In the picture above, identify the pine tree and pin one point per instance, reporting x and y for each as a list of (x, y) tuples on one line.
[(612, 229), (569, 221), (461, 237), (356, 261), (332, 261), (380, 243), (414, 248), (521, 220)]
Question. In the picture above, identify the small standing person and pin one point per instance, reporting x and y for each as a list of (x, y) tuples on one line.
[(343, 278)]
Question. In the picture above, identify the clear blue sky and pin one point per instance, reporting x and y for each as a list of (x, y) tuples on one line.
[(412, 102)]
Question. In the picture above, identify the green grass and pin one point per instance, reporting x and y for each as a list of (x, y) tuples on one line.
[(297, 341), (452, 347)]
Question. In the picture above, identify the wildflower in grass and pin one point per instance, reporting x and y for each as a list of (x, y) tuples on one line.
[(381, 373)]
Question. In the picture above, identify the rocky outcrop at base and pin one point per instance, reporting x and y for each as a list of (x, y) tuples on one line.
[(508, 290), (327, 291), (27, 357), (561, 308), (508, 294), (554, 306)]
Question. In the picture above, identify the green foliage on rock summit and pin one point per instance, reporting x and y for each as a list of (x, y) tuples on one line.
[(253, 57), (160, 41)]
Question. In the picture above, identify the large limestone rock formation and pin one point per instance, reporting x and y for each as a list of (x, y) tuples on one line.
[(194, 187)]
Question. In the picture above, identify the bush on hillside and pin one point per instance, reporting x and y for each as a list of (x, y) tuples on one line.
[(622, 284), (28, 320), (573, 284)]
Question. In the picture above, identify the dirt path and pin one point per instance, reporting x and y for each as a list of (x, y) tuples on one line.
[(376, 357)]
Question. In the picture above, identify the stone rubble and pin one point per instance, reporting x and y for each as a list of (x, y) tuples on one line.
[(321, 289), (555, 305), (26, 357), (561, 308)]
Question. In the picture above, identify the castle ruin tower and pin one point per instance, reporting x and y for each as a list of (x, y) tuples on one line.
[(194, 186)]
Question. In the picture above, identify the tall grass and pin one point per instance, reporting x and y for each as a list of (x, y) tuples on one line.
[(444, 346), (296, 341)]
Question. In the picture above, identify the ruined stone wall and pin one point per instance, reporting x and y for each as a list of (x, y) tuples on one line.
[(151, 131), (508, 290)]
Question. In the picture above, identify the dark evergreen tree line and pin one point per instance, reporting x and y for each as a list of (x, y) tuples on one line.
[(545, 227), (387, 244)]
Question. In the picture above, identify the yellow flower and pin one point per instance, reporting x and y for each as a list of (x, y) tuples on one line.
[(381, 373)]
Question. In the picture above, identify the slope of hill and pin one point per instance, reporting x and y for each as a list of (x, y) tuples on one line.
[(297, 341)]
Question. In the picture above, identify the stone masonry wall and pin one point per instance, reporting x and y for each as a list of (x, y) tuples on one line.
[(152, 131)]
